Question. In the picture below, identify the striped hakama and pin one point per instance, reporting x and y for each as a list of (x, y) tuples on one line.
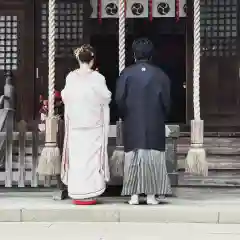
[(145, 172)]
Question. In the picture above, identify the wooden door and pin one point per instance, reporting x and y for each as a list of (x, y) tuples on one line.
[(16, 53), (71, 19), (220, 91), (170, 56), (219, 63), (219, 77)]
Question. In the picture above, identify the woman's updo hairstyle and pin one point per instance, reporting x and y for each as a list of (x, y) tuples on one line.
[(84, 54)]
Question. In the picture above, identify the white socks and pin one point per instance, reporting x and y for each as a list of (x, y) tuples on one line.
[(151, 200), (134, 200)]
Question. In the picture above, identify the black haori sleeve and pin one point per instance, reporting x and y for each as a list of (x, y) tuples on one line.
[(120, 95), (166, 96)]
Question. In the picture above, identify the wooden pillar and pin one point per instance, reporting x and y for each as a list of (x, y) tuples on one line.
[(27, 96), (87, 11)]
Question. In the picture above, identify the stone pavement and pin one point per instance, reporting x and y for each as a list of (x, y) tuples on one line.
[(190, 206), (118, 231)]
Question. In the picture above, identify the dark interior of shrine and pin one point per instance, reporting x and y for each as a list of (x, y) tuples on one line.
[(169, 54)]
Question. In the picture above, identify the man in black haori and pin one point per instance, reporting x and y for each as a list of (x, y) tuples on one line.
[(143, 99)]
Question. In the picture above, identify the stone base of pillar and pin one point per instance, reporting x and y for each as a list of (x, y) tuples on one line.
[(196, 158)]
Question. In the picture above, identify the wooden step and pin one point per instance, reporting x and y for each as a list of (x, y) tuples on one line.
[(213, 146), (183, 150), (215, 178), (213, 133), (215, 162), (212, 141)]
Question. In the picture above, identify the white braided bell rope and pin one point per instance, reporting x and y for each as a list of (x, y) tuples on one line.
[(121, 29), (51, 57), (196, 60)]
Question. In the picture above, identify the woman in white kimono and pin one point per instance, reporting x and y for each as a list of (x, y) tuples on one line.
[(85, 162)]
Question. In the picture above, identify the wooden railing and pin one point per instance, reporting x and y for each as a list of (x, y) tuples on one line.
[(20, 170), (20, 148), (6, 128)]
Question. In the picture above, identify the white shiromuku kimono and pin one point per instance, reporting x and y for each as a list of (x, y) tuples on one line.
[(85, 167)]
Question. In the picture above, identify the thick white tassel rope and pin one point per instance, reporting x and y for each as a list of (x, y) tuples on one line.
[(51, 57), (121, 35), (117, 159), (196, 158), (50, 161), (196, 60)]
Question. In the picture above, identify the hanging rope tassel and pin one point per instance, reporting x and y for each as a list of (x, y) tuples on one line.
[(117, 159), (49, 161), (196, 159)]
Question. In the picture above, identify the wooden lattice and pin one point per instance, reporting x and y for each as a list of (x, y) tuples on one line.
[(8, 43), (69, 28), (219, 27)]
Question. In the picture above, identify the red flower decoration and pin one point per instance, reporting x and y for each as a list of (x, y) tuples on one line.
[(44, 103), (58, 95)]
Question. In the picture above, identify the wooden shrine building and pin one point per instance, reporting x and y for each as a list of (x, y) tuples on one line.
[(168, 23)]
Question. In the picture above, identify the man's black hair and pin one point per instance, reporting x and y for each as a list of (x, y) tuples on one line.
[(142, 48)]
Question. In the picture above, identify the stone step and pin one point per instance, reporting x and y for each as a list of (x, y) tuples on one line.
[(195, 206), (39, 207)]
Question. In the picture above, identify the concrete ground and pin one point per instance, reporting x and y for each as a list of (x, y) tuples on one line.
[(212, 206), (118, 231)]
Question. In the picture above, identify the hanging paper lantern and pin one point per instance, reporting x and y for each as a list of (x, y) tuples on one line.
[(163, 8), (137, 8), (110, 8), (177, 10)]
